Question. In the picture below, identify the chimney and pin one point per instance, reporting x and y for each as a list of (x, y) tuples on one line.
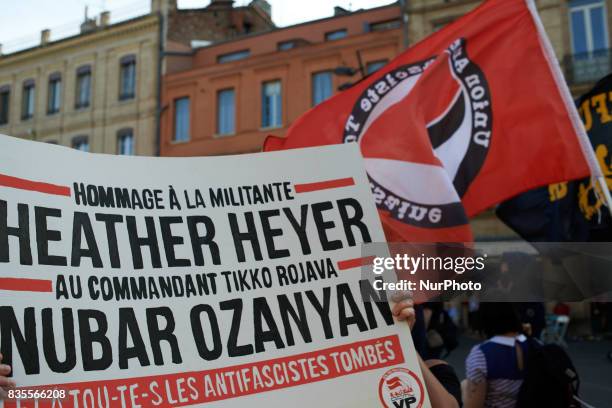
[(163, 6), (89, 24), (264, 6), (45, 36), (104, 19), (340, 11)]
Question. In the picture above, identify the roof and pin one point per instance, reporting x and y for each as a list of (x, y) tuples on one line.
[(99, 30), (306, 23)]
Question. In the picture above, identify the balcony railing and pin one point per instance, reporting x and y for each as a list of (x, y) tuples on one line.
[(587, 67)]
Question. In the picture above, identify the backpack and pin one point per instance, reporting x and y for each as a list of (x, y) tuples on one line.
[(550, 380)]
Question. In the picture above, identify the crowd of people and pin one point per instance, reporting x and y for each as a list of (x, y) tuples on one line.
[(511, 367)]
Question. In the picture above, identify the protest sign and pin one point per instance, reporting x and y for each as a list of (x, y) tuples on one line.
[(221, 281)]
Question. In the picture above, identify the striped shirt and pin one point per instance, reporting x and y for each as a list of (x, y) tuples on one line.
[(495, 361)]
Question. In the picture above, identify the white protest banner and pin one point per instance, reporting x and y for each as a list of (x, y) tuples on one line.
[(220, 281)]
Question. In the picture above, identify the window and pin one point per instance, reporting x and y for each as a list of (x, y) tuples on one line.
[(271, 104), (226, 112), (590, 60), (588, 26), (125, 142), (5, 99), (375, 66), (321, 86), (83, 87), (127, 77), (28, 100), (233, 56), (81, 143), (385, 25), (54, 93), (335, 35), (286, 45), (181, 119)]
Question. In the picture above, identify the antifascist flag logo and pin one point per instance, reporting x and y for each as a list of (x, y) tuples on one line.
[(458, 121)]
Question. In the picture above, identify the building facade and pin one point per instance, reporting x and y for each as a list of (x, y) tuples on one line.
[(95, 91), (227, 97), (98, 91), (578, 30), (234, 93)]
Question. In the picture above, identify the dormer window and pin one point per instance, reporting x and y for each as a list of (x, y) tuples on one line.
[(335, 35), (233, 56)]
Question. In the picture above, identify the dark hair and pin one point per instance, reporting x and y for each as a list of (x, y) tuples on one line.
[(499, 318)]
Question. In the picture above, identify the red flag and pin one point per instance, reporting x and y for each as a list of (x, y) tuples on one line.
[(465, 119)]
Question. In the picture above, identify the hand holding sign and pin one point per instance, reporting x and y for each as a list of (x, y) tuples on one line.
[(5, 382), (403, 309)]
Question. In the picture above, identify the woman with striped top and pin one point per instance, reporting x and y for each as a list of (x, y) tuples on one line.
[(495, 368)]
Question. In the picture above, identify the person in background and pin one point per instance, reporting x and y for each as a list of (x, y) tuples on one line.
[(441, 334), (432, 312), (533, 314), (494, 368), (473, 313), (504, 281), (419, 331), (441, 381), (598, 321), (561, 309)]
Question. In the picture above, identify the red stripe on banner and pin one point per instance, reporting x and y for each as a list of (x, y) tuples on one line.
[(201, 387), (324, 185), (26, 285), (29, 185), (354, 263)]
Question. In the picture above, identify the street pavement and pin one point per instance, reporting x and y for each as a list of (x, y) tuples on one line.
[(589, 357)]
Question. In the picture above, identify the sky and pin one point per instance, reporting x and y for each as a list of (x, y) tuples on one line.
[(22, 20)]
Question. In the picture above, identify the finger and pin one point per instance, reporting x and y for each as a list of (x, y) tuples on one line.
[(3, 394), (397, 308), (406, 314), (7, 382), (5, 369)]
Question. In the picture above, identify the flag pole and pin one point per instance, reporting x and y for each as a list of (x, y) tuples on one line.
[(404, 4), (606, 192), (566, 96)]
